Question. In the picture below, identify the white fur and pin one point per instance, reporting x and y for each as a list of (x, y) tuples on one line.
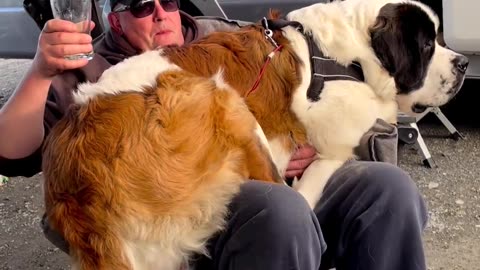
[(280, 155), (220, 81), (347, 109), (131, 75)]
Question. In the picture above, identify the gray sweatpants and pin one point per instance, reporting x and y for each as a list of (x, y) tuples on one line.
[(370, 217)]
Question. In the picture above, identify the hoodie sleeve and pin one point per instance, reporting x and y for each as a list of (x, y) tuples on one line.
[(28, 166)]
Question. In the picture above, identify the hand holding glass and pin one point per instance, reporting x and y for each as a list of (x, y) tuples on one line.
[(78, 12)]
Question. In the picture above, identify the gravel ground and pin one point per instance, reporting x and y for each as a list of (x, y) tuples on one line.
[(452, 192)]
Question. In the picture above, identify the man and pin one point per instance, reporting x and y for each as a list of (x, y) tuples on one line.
[(371, 215)]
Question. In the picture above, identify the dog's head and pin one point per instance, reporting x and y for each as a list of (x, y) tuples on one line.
[(425, 73)]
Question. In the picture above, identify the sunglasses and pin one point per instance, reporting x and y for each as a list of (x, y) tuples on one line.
[(144, 8)]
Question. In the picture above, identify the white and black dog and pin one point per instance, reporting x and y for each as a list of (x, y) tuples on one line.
[(397, 35), (403, 66)]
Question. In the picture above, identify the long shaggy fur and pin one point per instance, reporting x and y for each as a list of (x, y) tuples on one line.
[(137, 180)]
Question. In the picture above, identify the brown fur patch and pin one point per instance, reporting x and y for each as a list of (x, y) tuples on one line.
[(241, 55)]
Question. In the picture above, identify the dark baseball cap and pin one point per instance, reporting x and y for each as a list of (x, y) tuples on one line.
[(113, 3), (127, 3)]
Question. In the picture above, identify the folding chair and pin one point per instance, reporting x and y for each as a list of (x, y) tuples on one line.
[(454, 133), (409, 132)]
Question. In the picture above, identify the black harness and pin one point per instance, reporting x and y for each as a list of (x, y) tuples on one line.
[(326, 69), (323, 69)]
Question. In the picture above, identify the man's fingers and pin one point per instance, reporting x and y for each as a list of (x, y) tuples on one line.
[(57, 25), (61, 51), (299, 164), (65, 64), (300, 160), (304, 152), (65, 32), (293, 173), (67, 38)]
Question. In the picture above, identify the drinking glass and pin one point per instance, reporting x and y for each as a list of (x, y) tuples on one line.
[(78, 12)]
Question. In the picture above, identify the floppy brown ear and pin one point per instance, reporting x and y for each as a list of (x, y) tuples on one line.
[(260, 164)]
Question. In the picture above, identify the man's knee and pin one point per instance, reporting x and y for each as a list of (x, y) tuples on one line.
[(278, 207), (390, 180), (273, 223), (273, 219), (394, 189)]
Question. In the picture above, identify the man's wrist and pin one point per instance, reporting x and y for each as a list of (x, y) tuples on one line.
[(36, 72)]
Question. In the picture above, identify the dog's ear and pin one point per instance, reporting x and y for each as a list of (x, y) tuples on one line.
[(398, 39), (381, 40)]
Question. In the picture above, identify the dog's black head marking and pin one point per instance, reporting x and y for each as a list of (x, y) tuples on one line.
[(403, 38)]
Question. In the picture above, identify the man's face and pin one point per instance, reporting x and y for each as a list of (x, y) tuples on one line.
[(161, 28)]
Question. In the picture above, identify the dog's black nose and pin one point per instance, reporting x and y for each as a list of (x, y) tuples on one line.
[(461, 63)]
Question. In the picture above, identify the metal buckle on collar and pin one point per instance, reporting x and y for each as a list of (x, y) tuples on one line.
[(268, 32)]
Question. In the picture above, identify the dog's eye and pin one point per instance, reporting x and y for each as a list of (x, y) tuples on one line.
[(427, 45)]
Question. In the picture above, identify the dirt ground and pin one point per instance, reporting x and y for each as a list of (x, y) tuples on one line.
[(452, 192)]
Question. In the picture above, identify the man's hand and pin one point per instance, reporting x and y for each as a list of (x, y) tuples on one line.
[(301, 159), (58, 39)]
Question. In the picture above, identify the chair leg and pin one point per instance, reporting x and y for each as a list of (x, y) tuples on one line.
[(419, 142), (453, 131), (422, 149)]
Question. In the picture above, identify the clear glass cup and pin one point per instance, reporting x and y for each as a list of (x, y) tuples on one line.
[(78, 12)]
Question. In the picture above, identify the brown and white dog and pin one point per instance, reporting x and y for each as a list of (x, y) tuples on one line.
[(141, 180), (139, 173)]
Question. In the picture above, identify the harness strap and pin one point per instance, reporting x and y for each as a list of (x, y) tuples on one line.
[(323, 68), (278, 24), (327, 69)]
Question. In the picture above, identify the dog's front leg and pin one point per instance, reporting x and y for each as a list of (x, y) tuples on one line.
[(314, 179)]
